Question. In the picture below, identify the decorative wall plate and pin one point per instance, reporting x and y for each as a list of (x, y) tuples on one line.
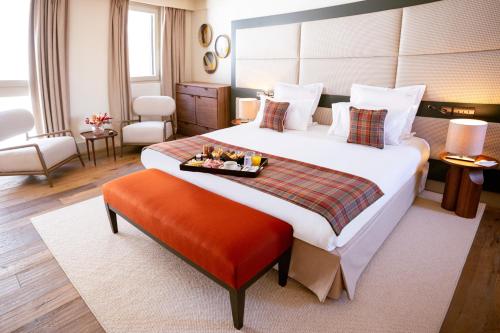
[(205, 35), (210, 62), (222, 46)]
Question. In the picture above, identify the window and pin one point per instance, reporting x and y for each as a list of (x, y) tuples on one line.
[(143, 42), (14, 20), (14, 67)]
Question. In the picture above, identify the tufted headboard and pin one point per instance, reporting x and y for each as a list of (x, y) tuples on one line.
[(452, 46)]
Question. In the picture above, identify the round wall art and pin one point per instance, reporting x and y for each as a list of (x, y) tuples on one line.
[(222, 46), (210, 62), (205, 35)]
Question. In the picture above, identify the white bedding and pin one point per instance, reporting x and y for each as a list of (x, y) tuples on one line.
[(389, 168)]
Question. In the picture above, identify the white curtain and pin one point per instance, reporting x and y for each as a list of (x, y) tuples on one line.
[(48, 27), (118, 66)]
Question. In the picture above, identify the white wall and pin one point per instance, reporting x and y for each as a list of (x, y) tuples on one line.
[(88, 58), (220, 13)]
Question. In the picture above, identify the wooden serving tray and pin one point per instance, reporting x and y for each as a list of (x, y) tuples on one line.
[(183, 166)]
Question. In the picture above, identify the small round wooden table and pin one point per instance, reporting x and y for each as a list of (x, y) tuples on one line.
[(90, 136), (464, 182)]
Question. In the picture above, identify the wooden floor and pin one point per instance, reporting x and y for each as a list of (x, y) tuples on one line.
[(36, 295)]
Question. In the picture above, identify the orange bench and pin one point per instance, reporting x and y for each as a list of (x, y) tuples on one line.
[(231, 243)]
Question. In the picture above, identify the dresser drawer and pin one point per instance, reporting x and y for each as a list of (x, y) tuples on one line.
[(197, 91), (192, 129), (186, 108), (206, 111)]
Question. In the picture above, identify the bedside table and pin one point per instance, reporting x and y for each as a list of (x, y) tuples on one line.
[(236, 122), (464, 182)]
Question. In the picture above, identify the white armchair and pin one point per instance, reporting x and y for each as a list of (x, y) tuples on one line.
[(143, 133), (38, 155)]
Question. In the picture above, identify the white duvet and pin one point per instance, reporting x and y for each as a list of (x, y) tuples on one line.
[(389, 168)]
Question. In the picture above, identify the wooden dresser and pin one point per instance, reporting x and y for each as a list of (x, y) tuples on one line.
[(202, 107)]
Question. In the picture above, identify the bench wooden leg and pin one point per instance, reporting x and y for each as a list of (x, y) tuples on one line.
[(112, 219), (283, 267), (237, 306)]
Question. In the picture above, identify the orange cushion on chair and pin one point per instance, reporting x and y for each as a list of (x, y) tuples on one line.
[(231, 241)]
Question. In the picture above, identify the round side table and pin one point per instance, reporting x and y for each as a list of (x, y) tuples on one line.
[(464, 182), (90, 136)]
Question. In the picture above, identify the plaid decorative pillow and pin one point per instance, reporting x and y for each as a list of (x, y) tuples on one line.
[(367, 127), (274, 115)]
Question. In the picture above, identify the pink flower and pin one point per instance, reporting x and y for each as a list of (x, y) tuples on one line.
[(98, 119)]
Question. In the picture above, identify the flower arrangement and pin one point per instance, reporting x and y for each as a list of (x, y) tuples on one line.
[(97, 120)]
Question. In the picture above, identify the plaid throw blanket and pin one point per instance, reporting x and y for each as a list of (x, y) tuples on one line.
[(338, 196)]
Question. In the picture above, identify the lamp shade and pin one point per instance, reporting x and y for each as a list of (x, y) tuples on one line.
[(466, 137), (248, 108)]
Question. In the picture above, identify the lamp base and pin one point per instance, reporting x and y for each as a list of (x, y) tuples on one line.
[(461, 158)]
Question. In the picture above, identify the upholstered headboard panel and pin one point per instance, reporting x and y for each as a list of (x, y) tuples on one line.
[(346, 50), (267, 55), (452, 46)]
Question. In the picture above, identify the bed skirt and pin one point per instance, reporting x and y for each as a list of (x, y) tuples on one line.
[(328, 274)]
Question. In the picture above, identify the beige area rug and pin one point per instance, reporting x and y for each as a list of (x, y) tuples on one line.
[(132, 284)]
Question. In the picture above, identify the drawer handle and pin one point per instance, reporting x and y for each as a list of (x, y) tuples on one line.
[(205, 88)]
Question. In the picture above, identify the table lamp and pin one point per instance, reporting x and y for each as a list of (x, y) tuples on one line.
[(247, 109), (465, 139)]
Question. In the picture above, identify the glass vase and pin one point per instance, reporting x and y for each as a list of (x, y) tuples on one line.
[(97, 129)]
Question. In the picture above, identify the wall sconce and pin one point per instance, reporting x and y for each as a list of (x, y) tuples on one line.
[(268, 93)]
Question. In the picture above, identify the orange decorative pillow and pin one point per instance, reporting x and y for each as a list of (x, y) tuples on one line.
[(274, 115), (367, 127)]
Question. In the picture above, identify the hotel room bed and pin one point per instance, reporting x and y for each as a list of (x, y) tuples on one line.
[(318, 251)]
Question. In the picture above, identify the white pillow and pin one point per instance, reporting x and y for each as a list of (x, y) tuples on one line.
[(297, 115), (340, 120), (397, 99), (288, 92), (393, 125), (260, 113)]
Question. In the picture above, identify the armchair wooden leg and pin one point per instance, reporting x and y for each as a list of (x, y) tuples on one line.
[(47, 174), (44, 165), (81, 159), (80, 154)]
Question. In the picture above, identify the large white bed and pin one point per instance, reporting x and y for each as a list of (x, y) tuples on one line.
[(390, 168), (383, 49), (324, 262)]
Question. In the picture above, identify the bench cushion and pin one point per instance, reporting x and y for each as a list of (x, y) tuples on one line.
[(231, 241)]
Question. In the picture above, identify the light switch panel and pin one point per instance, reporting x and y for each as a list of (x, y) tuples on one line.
[(464, 111)]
